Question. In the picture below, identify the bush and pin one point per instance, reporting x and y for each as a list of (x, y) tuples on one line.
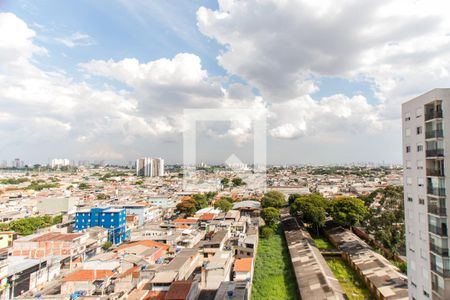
[(267, 232), (106, 245)]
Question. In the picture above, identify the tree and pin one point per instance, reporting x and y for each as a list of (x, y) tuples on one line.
[(102, 196), (314, 198), (266, 232), (200, 201), (188, 207), (225, 182), (210, 195), (292, 198), (139, 182), (223, 204), (84, 186), (106, 245), (312, 211), (273, 199), (270, 215), (348, 211), (237, 181)]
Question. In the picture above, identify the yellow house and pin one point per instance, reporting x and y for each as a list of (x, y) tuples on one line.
[(6, 239)]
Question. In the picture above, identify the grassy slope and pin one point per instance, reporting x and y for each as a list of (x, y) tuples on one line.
[(273, 277), (349, 281)]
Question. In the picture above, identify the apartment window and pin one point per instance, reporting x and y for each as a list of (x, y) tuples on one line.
[(420, 165), (408, 180), (421, 201), (408, 164), (419, 130), (408, 132), (419, 148), (426, 294), (407, 117), (420, 181), (419, 112), (408, 149), (410, 199)]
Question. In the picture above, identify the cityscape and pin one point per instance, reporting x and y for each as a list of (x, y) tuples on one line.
[(224, 149)]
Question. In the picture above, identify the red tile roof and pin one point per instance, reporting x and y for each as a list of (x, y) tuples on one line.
[(185, 220), (179, 290), (243, 264), (88, 275), (156, 295), (207, 217), (54, 236), (146, 243)]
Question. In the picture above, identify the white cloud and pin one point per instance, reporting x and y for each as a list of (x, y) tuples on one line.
[(76, 39), (401, 47)]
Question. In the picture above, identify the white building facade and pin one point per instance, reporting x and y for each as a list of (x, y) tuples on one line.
[(150, 167), (426, 142)]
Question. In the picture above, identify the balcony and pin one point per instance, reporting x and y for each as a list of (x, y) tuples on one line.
[(435, 114), (436, 191), (437, 210), (439, 270), (438, 250), (434, 134), (435, 153), (437, 289), (442, 231), (434, 172)]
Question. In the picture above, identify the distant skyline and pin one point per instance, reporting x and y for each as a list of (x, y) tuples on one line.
[(108, 80)]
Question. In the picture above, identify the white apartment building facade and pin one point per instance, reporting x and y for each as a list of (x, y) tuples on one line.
[(150, 167), (60, 162), (426, 142)]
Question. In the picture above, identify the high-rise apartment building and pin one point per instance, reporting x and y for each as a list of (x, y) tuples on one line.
[(426, 142), (150, 167), (60, 162)]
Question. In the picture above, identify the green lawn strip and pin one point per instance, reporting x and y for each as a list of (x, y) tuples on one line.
[(323, 243), (349, 280), (274, 277)]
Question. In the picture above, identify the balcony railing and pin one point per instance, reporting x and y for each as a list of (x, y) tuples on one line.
[(439, 250), (441, 271), (442, 231), (434, 134), (436, 288), (433, 115), (433, 172), (437, 210), (435, 153), (436, 191)]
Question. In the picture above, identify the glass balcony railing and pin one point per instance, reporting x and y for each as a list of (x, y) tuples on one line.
[(436, 191), (435, 153), (437, 210), (442, 251), (439, 270), (434, 172), (433, 115), (442, 231), (434, 134), (437, 289)]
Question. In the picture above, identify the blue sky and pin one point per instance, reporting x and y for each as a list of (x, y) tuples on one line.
[(111, 78)]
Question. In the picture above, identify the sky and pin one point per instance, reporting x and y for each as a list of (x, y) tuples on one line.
[(110, 80)]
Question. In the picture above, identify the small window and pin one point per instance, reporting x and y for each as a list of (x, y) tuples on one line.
[(419, 130), (419, 148), (419, 112), (408, 164), (408, 149), (420, 181), (407, 117), (408, 132), (420, 164), (410, 199), (408, 180), (421, 201)]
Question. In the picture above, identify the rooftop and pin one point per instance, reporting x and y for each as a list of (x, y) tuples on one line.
[(88, 275)]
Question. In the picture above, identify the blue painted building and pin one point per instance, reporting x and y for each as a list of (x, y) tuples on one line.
[(114, 219)]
